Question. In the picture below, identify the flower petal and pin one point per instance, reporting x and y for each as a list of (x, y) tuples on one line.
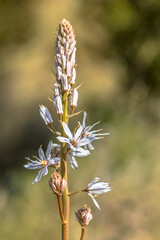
[(95, 202), (80, 152), (84, 118), (32, 166), (45, 171), (41, 153), (73, 161), (38, 177), (63, 139), (48, 152), (78, 132), (67, 131), (90, 146), (96, 179), (53, 161)]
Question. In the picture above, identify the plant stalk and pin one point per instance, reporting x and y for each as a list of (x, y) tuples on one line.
[(82, 234), (60, 208), (65, 197)]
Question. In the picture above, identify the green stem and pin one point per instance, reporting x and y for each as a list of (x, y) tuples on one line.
[(65, 197), (82, 234)]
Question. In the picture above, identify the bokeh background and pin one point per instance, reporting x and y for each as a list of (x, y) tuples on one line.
[(118, 61)]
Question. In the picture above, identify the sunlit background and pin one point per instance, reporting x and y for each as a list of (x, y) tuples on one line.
[(118, 62)]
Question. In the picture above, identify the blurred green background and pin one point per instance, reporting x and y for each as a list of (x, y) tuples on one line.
[(118, 61)]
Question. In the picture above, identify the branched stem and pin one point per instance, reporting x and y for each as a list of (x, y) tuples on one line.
[(82, 233)]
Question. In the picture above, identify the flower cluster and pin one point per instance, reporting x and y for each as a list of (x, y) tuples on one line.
[(65, 65)]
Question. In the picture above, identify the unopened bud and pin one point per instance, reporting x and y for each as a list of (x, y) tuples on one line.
[(69, 69), (45, 114), (73, 57), (83, 215), (56, 90), (74, 98), (72, 82), (64, 82), (58, 104), (57, 183), (58, 71)]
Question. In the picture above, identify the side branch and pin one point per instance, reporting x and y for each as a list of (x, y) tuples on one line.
[(73, 193)]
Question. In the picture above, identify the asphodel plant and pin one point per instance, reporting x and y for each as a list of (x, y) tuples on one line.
[(70, 145)]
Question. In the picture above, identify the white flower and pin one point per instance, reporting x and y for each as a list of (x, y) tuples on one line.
[(43, 162), (75, 143), (95, 188), (92, 135), (45, 114)]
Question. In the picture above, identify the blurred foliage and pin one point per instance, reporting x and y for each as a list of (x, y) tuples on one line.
[(130, 37), (16, 22), (118, 56)]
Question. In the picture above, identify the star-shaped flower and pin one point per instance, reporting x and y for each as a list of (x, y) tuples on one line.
[(43, 162), (92, 135), (95, 188), (74, 144)]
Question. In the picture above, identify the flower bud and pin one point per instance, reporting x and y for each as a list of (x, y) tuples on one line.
[(74, 98), (58, 104), (64, 82), (57, 183), (83, 215), (72, 82), (56, 90), (45, 114)]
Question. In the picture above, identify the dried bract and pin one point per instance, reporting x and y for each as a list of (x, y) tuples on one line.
[(83, 215), (57, 183)]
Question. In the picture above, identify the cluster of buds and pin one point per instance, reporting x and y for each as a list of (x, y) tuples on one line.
[(57, 183), (65, 65), (83, 215)]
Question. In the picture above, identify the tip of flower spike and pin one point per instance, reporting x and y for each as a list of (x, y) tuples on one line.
[(64, 20)]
